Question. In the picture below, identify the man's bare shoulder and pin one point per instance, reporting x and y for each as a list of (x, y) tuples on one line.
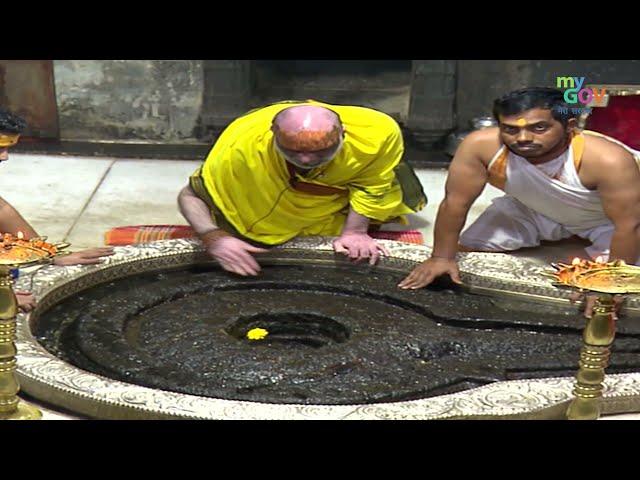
[(602, 153), (482, 143)]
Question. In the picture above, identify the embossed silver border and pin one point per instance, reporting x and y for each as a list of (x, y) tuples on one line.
[(56, 382)]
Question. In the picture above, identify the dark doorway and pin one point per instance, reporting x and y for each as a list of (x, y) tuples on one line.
[(381, 84)]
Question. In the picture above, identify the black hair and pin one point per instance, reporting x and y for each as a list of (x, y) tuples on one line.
[(10, 122), (534, 97)]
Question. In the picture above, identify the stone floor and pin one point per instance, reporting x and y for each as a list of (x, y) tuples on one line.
[(76, 199)]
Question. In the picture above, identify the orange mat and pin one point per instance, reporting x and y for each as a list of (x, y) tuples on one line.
[(137, 234)]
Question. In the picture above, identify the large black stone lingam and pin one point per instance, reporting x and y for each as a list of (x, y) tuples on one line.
[(338, 334)]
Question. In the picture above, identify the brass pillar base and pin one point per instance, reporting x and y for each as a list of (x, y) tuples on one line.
[(25, 411), (584, 409)]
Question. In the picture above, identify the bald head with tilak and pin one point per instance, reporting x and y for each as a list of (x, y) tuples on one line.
[(307, 135)]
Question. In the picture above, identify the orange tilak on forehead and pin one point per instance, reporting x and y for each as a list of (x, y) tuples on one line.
[(521, 122), (308, 140)]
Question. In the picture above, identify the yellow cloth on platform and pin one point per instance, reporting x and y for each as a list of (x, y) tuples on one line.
[(248, 181)]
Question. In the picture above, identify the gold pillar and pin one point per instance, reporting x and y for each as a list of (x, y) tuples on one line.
[(11, 407), (597, 337)]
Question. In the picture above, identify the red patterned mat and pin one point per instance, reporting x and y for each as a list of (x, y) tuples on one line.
[(137, 234)]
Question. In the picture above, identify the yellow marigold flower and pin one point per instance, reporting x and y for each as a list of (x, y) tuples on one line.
[(257, 334)]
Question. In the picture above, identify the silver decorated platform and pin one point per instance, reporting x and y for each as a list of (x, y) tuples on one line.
[(56, 382)]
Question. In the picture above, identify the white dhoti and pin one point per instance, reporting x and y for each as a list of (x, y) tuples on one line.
[(509, 225)]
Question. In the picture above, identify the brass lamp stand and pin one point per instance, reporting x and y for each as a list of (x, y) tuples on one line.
[(604, 280), (23, 253)]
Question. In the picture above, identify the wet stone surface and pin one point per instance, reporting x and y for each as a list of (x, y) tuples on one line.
[(337, 334)]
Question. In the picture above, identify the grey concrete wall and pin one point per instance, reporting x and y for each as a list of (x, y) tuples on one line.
[(481, 81), (164, 101), (154, 100)]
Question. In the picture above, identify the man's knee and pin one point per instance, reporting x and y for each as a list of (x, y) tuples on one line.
[(489, 245), (464, 248), (497, 231), (488, 235)]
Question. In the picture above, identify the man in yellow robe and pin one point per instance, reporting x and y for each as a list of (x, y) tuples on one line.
[(296, 169)]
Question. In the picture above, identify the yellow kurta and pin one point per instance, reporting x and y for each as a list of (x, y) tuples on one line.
[(247, 179)]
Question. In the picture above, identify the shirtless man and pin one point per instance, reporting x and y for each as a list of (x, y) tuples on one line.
[(558, 182)]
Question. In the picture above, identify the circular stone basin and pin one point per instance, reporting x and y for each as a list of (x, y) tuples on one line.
[(336, 333)]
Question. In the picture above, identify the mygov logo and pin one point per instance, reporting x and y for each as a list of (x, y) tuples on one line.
[(574, 92)]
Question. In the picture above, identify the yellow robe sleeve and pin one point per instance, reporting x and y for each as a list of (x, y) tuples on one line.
[(376, 192)]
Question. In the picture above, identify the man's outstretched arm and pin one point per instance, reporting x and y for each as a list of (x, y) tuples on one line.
[(355, 241), (12, 222), (618, 182), (195, 211), (619, 188), (466, 179), (233, 254)]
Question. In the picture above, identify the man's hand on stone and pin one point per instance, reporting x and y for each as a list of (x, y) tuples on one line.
[(429, 270), (359, 246), (26, 301), (590, 301), (233, 254), (90, 256)]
